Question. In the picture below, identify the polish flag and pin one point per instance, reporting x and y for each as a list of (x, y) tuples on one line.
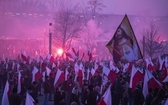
[(150, 82), (113, 67), (160, 62), (107, 97), (93, 72), (150, 65), (48, 71), (25, 57), (53, 65), (136, 77), (164, 71), (96, 64), (29, 100), (80, 74), (36, 75), (111, 75), (127, 67), (19, 83), (5, 99), (59, 77)]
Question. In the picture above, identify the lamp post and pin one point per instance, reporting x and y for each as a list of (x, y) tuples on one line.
[(50, 38)]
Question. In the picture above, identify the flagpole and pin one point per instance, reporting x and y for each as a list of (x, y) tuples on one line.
[(144, 46), (50, 38)]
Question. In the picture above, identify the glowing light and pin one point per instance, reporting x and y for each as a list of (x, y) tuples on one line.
[(60, 52)]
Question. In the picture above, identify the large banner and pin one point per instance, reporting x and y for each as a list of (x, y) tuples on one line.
[(123, 46)]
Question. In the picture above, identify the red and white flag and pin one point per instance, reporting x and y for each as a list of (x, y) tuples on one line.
[(59, 77), (25, 57), (80, 74), (150, 65), (5, 99), (111, 75), (136, 77), (19, 83), (150, 82), (36, 75), (160, 62), (48, 71), (29, 100), (107, 97), (113, 67), (53, 65)]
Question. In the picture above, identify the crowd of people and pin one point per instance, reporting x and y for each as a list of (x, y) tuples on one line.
[(70, 91)]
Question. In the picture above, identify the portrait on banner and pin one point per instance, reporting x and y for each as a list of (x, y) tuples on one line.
[(123, 46)]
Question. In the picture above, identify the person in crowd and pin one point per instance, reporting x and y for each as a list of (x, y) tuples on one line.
[(138, 95), (14, 98), (149, 97), (35, 90), (58, 97), (47, 90), (158, 99), (91, 97), (69, 87), (117, 90), (74, 96)]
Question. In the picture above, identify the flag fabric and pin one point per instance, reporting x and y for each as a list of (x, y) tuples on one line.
[(160, 62), (111, 75), (75, 53), (113, 67), (53, 65), (150, 82), (59, 77), (13, 65), (107, 97), (36, 75), (29, 100), (5, 99), (150, 65), (127, 67), (136, 77), (19, 83), (164, 71), (123, 46), (166, 79), (48, 71), (80, 74), (25, 57)]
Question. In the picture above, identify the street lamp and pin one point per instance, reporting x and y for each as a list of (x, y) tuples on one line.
[(50, 38)]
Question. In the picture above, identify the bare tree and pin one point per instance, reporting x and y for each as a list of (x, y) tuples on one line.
[(95, 6), (92, 19), (152, 43), (67, 25)]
